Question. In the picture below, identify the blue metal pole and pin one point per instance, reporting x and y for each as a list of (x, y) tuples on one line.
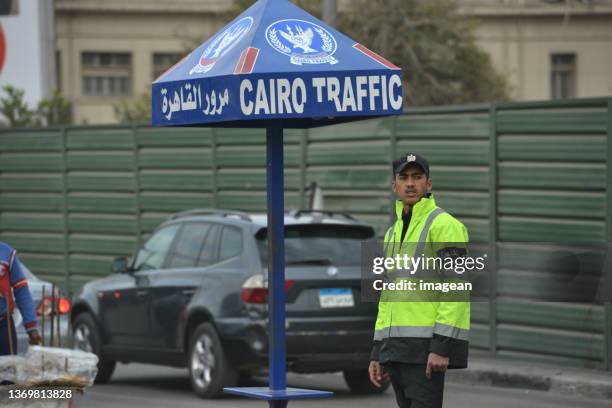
[(276, 260), (277, 394)]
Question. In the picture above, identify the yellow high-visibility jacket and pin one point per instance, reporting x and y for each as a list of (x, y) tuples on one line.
[(406, 331)]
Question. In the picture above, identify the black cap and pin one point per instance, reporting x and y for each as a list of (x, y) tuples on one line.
[(401, 163)]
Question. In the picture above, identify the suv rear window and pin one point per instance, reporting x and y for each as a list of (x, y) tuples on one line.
[(319, 244)]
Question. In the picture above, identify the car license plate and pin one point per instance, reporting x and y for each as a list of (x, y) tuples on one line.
[(329, 298)]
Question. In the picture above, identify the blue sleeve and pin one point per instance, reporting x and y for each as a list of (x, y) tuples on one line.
[(23, 297)]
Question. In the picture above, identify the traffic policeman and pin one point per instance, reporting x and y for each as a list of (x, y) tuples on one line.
[(415, 342), (14, 290)]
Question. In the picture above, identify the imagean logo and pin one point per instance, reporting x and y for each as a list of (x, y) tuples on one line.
[(304, 42), (221, 44)]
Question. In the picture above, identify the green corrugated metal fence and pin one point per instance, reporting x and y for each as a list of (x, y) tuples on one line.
[(72, 199)]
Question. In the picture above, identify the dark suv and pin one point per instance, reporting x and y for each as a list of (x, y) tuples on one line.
[(195, 295)]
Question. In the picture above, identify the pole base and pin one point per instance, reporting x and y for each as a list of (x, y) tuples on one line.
[(265, 393)]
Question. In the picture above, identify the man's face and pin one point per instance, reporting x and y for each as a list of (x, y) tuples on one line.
[(411, 184)]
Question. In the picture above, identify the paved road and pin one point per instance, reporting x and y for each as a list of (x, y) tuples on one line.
[(145, 386)]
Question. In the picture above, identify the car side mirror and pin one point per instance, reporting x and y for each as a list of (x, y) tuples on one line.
[(120, 265)]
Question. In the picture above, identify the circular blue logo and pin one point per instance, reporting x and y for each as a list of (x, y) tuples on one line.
[(221, 44), (303, 41)]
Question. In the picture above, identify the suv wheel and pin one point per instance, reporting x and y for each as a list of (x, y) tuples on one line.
[(87, 338), (359, 382), (209, 369)]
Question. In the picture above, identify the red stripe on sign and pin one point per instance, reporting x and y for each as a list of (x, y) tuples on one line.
[(251, 59), (240, 64), (375, 56)]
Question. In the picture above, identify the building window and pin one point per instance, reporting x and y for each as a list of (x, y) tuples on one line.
[(164, 60), (563, 76), (106, 74)]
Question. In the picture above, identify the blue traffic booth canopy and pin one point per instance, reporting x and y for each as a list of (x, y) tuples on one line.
[(276, 66), (277, 62)]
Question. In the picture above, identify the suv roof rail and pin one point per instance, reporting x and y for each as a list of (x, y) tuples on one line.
[(211, 211), (297, 213)]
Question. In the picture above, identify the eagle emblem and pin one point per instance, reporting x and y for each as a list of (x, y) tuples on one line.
[(303, 41)]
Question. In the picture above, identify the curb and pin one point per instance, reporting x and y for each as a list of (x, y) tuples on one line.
[(562, 380)]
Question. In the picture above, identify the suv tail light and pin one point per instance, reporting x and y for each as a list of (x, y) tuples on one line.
[(50, 304), (255, 289)]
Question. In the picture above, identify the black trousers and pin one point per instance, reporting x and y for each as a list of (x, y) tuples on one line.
[(4, 337), (413, 389)]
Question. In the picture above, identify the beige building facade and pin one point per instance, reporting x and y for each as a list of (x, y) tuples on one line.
[(111, 50), (548, 49)]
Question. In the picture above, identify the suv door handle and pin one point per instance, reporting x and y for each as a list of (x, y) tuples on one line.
[(142, 293), (188, 292)]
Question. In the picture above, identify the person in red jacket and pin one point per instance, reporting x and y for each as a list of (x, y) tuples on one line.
[(14, 290)]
